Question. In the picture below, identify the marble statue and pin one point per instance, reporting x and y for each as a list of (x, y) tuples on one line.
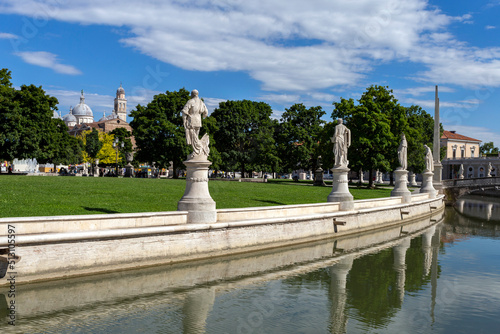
[(490, 168), (192, 114), (461, 172), (403, 152), (429, 160), (341, 142)]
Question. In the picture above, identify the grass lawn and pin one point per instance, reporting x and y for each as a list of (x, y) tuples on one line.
[(24, 196)]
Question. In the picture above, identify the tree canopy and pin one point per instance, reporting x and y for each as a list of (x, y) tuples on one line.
[(245, 136), (28, 128), (159, 131), (298, 137), (488, 148)]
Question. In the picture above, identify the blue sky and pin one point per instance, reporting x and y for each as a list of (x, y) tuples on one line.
[(280, 52)]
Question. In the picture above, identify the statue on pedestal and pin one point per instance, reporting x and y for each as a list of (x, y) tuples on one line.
[(197, 200), (490, 168), (461, 172), (192, 114), (402, 153), (341, 142), (429, 160)]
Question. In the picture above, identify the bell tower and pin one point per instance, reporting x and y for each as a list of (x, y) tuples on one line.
[(120, 108)]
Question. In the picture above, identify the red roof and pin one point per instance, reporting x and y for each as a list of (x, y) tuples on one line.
[(455, 136)]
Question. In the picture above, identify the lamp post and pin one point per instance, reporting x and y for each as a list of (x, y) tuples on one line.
[(117, 146)]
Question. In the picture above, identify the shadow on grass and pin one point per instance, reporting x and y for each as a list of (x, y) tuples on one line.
[(270, 202), (102, 210)]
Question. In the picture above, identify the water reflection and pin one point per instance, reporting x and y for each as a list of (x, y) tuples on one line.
[(479, 207), (315, 287)]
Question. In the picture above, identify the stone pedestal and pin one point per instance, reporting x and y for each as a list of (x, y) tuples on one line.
[(438, 176), (129, 170), (197, 200), (318, 177), (400, 187), (427, 187), (340, 189), (413, 181)]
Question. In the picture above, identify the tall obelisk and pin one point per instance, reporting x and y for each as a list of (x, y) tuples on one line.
[(436, 151)]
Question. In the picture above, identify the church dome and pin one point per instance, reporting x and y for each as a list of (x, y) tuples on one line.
[(56, 115), (69, 118), (82, 109)]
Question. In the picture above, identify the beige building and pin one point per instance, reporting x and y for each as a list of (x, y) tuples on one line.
[(464, 151), (459, 146)]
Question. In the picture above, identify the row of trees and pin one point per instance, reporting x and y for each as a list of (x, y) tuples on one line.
[(245, 138), (28, 129)]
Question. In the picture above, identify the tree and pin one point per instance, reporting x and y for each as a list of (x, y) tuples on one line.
[(92, 146), (107, 153), (370, 127), (123, 136), (488, 148), (28, 128), (298, 137), (245, 136), (159, 131), (420, 133)]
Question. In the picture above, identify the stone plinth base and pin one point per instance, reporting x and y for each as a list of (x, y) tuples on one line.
[(318, 177), (427, 187), (197, 200), (340, 189), (400, 187), (413, 181), (129, 170)]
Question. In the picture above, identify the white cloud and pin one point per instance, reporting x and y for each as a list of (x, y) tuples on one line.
[(289, 46), (490, 27), (48, 60), (5, 35)]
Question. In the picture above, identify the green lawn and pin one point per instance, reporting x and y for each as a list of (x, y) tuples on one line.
[(23, 196)]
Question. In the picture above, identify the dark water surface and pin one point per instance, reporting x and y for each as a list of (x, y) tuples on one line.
[(436, 275)]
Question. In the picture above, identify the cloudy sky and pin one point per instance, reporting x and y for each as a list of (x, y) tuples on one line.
[(276, 51)]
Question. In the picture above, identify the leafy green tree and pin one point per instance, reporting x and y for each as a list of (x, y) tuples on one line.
[(420, 132), (370, 126), (245, 136), (159, 130), (325, 149), (27, 126), (488, 148), (123, 136), (92, 145), (298, 137)]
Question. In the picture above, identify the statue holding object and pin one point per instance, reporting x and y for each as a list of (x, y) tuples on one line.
[(192, 114)]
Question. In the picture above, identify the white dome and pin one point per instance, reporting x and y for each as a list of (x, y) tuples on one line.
[(55, 114), (69, 118), (82, 109)]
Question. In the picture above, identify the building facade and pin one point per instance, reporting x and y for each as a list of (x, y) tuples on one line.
[(81, 117), (465, 151)]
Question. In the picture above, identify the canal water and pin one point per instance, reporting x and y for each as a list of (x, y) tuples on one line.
[(438, 275)]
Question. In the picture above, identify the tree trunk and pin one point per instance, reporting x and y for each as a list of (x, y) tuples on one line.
[(176, 172), (391, 178), (370, 181)]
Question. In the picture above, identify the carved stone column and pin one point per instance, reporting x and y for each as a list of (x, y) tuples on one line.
[(427, 187), (197, 200), (340, 189), (400, 187)]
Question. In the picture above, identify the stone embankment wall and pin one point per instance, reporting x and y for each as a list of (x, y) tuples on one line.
[(56, 247)]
